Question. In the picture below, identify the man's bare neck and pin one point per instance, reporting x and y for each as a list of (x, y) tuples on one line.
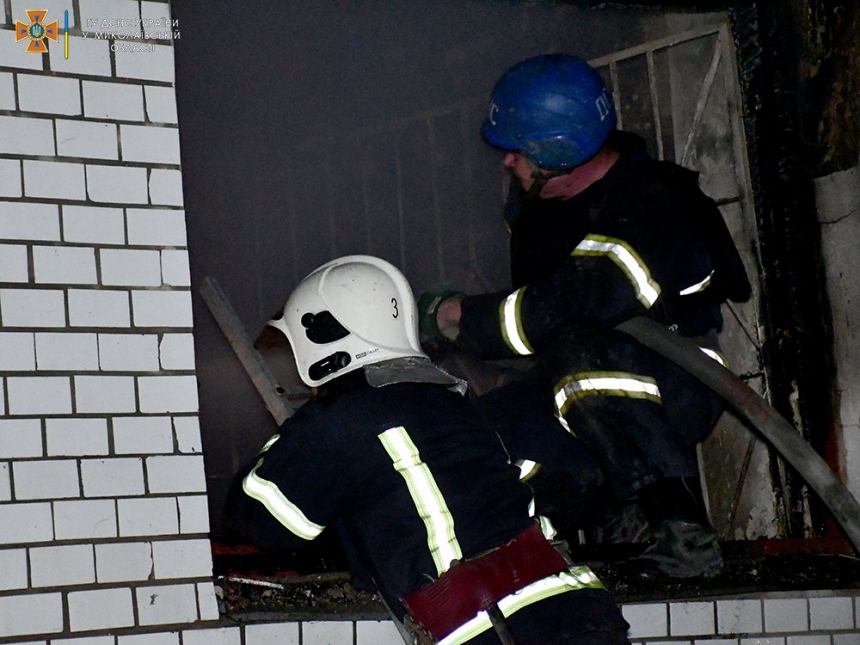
[(581, 177)]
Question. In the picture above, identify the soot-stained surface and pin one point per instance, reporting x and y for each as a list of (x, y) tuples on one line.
[(264, 586)]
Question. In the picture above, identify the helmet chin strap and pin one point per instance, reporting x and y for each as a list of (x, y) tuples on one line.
[(539, 178)]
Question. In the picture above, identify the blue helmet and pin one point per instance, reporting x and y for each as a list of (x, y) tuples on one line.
[(553, 109)]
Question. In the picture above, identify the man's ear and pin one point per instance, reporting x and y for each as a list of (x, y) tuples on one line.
[(271, 339)]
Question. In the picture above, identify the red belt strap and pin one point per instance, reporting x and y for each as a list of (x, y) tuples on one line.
[(477, 584)]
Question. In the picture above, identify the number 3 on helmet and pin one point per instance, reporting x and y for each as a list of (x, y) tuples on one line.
[(352, 311)]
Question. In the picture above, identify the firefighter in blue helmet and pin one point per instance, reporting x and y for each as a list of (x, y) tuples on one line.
[(391, 455), (600, 233)]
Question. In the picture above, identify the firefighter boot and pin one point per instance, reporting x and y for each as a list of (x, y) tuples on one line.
[(685, 543)]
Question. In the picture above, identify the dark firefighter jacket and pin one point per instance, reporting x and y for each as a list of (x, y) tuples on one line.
[(643, 239), (410, 479)]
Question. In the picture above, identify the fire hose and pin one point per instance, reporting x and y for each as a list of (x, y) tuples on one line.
[(747, 404), (738, 396)]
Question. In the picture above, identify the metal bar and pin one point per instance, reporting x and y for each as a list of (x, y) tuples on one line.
[(703, 99), (655, 104), (654, 45), (616, 93), (257, 369)]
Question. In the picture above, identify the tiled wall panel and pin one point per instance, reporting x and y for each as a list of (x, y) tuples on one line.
[(103, 526)]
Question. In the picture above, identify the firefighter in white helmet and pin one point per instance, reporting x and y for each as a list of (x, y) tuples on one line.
[(391, 455)]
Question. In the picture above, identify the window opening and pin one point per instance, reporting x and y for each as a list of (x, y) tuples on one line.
[(655, 95)]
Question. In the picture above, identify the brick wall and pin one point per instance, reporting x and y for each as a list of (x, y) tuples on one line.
[(103, 513)]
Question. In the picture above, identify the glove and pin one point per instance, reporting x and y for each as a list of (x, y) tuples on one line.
[(428, 306)]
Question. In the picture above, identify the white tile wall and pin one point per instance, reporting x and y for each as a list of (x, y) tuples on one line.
[(327, 633), (142, 435), (54, 180), (148, 516), (692, 619), (91, 57), (7, 91), (51, 479), (28, 136), (20, 438), (76, 437), (64, 265), (165, 187), (49, 94), (17, 352), (90, 640), (5, 482), (786, 615), (272, 634), (102, 394), (128, 352), (13, 569), (150, 144), (40, 613), (830, 613), (207, 601), (116, 184), (162, 638), (156, 65), (93, 224), (167, 604), (13, 55), (175, 474), (66, 351), (131, 267), (32, 308), (160, 104), (85, 520), (91, 140), (174, 268), (835, 610), (10, 178), (193, 514), (156, 227), (116, 477), (161, 308), (33, 395), (167, 393), (100, 609), (29, 221), (102, 308), (182, 558), (60, 566), (126, 561), (117, 101), (213, 636), (176, 352), (22, 523)]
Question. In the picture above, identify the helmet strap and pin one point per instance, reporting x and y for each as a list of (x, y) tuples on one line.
[(539, 178)]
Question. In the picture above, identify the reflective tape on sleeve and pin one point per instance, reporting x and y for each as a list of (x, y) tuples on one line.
[(511, 323), (528, 468), (699, 286), (626, 259), (282, 509), (715, 356), (428, 499), (606, 384)]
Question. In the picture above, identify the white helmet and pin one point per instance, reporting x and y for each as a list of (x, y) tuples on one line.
[(352, 311)]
